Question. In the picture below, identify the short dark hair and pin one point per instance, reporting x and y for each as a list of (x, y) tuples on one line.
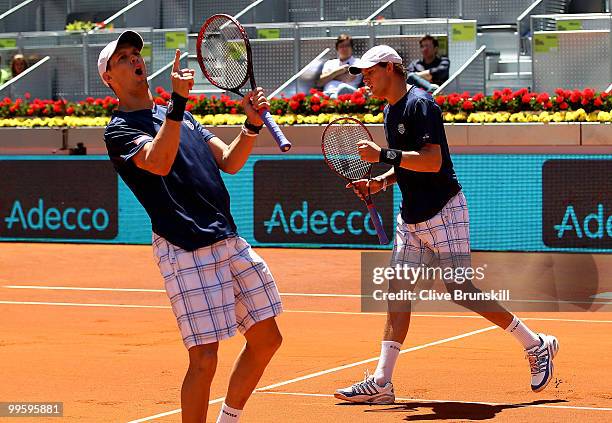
[(344, 37), (429, 37), (397, 68)]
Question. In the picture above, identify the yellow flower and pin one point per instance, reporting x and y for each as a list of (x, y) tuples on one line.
[(592, 117), (604, 117)]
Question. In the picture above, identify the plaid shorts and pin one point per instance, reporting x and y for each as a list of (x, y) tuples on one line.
[(443, 240), (216, 289)]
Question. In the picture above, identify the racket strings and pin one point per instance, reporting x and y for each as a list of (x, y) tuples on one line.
[(341, 152), (224, 54)]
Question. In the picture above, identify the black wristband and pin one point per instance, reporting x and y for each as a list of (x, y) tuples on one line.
[(176, 107), (253, 128), (390, 156)]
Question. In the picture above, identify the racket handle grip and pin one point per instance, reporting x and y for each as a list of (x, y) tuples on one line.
[(277, 134), (380, 231)]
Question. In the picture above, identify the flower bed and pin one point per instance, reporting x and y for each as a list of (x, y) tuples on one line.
[(317, 108)]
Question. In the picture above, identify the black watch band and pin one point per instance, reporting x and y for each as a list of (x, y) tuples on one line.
[(253, 128)]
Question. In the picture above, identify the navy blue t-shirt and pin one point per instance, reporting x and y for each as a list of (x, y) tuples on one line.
[(190, 207), (412, 122)]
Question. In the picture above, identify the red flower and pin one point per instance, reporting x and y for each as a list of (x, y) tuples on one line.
[(507, 91), (526, 98), (30, 112), (589, 93), (315, 108), (159, 90), (548, 105), (57, 108), (563, 106), (89, 100), (478, 97), (440, 100), (315, 99), (300, 96), (560, 99), (468, 105), (27, 95), (585, 101), (543, 98), (575, 97), (598, 102), (233, 111), (159, 101), (559, 92), (465, 95), (294, 105), (324, 103), (506, 98), (452, 100), (189, 107), (604, 95), (70, 111), (313, 91), (497, 94), (279, 111)]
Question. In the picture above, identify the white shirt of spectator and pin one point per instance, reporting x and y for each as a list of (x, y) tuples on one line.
[(346, 78)]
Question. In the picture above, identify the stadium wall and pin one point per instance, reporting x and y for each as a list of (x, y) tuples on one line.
[(518, 202)]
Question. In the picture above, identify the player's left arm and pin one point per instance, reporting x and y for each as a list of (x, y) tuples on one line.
[(230, 158)]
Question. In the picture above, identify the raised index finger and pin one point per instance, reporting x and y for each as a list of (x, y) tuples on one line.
[(177, 64)]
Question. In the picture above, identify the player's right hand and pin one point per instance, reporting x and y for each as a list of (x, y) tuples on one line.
[(360, 187), (182, 79)]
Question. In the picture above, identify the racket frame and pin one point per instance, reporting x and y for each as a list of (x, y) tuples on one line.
[(382, 236)]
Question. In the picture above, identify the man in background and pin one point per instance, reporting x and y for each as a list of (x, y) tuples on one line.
[(431, 71)]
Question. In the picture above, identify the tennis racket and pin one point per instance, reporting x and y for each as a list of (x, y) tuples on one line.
[(339, 145), (224, 55)]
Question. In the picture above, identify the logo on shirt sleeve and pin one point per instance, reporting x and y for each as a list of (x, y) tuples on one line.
[(189, 124), (401, 128)]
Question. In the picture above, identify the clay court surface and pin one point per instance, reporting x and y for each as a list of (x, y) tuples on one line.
[(116, 356)]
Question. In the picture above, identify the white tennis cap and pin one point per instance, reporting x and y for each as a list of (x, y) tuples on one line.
[(375, 55), (127, 37)]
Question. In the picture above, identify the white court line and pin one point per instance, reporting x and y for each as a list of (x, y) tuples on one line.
[(78, 288), (287, 294), (332, 370), (82, 304), (353, 313), (171, 412), (563, 407)]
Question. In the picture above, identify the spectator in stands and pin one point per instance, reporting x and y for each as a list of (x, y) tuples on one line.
[(18, 64), (432, 70), (335, 77), (4, 74)]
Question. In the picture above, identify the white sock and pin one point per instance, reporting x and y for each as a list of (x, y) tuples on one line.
[(228, 414), (389, 352), (523, 334)]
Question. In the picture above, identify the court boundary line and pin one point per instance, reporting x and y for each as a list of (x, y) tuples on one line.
[(563, 407), (356, 313), (282, 294), (332, 370)]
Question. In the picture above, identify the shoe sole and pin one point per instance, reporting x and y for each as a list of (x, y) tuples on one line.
[(553, 349), (382, 399)]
